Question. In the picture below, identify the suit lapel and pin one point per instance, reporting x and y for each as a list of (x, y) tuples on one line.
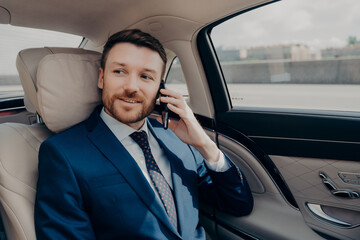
[(170, 145), (106, 142)]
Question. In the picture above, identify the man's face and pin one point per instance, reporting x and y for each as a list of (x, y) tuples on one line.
[(130, 82)]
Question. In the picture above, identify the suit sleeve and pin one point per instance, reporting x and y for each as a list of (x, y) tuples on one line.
[(59, 212), (228, 191)]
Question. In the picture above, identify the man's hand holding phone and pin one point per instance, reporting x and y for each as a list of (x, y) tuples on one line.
[(188, 128)]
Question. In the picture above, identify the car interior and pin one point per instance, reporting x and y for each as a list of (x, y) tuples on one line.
[(302, 165)]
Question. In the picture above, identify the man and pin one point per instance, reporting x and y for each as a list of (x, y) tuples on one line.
[(119, 175)]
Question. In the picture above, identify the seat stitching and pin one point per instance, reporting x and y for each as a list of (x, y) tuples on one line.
[(16, 217), (17, 179), (26, 137)]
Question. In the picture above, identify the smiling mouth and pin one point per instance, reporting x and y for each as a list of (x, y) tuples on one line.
[(130, 101)]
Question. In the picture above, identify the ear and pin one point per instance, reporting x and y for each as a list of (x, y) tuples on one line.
[(101, 78)]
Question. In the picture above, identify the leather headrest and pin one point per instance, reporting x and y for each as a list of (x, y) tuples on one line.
[(60, 84)]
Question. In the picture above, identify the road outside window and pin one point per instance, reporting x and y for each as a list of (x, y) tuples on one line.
[(14, 39), (297, 54)]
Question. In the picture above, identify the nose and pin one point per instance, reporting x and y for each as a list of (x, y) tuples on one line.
[(131, 84)]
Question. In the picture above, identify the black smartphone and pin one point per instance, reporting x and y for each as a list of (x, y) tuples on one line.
[(164, 108)]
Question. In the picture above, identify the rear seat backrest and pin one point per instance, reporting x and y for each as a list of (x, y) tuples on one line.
[(60, 84), (19, 146)]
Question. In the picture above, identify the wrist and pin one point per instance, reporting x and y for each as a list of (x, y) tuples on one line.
[(209, 151)]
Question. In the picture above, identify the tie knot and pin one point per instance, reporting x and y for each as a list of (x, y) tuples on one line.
[(141, 139)]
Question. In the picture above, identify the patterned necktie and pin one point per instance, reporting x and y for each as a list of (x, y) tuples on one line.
[(156, 176)]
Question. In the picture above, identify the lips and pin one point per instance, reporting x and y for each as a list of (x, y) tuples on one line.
[(130, 100)]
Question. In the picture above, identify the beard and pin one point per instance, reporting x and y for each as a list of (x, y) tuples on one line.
[(125, 115)]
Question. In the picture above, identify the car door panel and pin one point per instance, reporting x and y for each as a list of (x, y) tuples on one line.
[(246, 161), (302, 176), (271, 210)]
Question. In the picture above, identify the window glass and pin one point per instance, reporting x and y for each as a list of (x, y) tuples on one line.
[(175, 79), (299, 54), (14, 39)]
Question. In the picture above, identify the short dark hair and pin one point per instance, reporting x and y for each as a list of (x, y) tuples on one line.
[(136, 37)]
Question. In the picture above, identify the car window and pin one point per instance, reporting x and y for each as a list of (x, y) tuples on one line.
[(297, 54), (14, 39), (175, 79)]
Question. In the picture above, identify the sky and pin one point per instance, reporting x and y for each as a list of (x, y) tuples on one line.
[(317, 23)]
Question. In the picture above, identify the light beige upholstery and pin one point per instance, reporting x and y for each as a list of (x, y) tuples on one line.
[(64, 98), (19, 146), (28, 62), (59, 84)]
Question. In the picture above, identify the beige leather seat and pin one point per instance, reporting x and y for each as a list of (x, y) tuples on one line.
[(60, 86)]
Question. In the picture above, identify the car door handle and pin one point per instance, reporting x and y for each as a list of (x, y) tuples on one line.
[(318, 212)]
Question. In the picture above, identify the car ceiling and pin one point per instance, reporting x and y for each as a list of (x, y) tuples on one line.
[(166, 19)]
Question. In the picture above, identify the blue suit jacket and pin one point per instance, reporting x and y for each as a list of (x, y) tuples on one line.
[(90, 187)]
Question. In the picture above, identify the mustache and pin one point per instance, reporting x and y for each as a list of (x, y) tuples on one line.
[(128, 96)]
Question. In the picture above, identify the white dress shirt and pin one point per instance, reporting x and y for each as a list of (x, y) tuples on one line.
[(122, 132)]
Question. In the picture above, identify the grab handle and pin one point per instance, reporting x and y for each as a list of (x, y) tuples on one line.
[(317, 211)]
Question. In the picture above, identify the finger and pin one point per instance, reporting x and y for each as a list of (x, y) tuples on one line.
[(176, 110), (171, 93), (176, 102)]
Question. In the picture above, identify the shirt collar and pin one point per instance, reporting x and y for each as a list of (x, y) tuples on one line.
[(120, 130)]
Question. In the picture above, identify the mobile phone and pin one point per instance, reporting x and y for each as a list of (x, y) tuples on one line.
[(164, 108)]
